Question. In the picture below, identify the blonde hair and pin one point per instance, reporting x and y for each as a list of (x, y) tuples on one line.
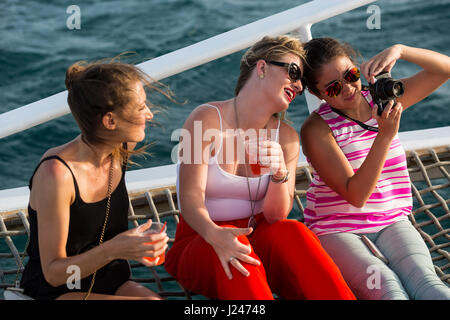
[(268, 48)]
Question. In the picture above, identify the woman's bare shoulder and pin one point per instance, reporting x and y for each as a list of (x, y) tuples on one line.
[(314, 125), (64, 151), (207, 114), (315, 132), (288, 133), (54, 171)]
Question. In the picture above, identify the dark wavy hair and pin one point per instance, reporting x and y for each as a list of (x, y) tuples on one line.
[(320, 51)]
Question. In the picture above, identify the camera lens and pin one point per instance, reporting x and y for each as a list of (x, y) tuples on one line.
[(390, 89), (385, 88), (397, 89)]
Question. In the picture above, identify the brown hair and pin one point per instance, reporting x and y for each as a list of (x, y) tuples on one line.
[(268, 48), (95, 89), (320, 51)]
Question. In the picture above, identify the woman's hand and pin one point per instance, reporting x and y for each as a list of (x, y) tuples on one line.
[(230, 250), (268, 154), (134, 245), (384, 61), (389, 121)]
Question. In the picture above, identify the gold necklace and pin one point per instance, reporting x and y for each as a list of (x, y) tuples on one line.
[(108, 205)]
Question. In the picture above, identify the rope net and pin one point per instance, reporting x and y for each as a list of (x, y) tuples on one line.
[(431, 217)]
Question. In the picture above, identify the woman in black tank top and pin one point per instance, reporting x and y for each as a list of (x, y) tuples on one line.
[(69, 188)]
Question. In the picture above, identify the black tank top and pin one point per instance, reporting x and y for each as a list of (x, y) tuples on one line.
[(85, 226)]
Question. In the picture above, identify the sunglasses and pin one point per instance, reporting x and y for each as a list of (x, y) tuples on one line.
[(334, 88), (293, 70)]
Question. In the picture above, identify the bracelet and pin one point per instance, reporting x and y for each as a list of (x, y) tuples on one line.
[(282, 180)]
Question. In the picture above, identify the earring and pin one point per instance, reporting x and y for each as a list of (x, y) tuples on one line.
[(261, 76)]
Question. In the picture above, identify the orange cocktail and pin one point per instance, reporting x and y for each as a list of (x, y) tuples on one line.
[(254, 155), (156, 227), (256, 168)]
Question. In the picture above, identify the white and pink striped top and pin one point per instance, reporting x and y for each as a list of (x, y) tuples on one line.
[(328, 212)]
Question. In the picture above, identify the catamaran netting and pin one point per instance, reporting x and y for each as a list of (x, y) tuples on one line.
[(431, 217)]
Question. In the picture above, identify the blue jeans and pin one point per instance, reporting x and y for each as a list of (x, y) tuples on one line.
[(409, 273)]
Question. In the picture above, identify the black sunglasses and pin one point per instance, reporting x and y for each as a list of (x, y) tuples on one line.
[(293, 70)]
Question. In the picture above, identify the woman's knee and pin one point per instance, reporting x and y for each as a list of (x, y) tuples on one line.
[(378, 282), (367, 276), (422, 283), (432, 288), (135, 289)]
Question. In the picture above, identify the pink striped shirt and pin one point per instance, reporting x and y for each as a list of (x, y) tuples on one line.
[(328, 212)]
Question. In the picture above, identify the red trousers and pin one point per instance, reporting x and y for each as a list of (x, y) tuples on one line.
[(293, 264)]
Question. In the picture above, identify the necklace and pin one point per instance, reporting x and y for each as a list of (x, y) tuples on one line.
[(108, 205), (251, 221)]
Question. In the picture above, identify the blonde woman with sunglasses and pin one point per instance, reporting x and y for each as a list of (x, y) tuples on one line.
[(233, 240), (360, 196)]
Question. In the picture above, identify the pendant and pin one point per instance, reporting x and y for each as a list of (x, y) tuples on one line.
[(252, 223)]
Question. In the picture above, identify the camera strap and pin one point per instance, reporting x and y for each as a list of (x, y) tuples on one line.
[(361, 124)]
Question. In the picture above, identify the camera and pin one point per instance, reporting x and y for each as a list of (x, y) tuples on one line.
[(385, 89)]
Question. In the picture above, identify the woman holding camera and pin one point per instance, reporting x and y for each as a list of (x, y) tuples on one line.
[(358, 203)]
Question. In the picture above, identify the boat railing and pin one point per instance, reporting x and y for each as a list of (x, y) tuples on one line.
[(152, 190)]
